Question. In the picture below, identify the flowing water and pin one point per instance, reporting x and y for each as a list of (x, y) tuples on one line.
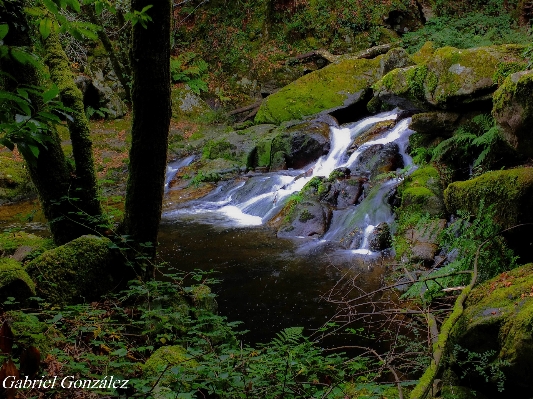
[(271, 283)]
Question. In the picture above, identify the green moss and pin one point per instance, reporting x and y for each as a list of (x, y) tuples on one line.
[(320, 90), (422, 190), (28, 331), (218, 149), (76, 271), (165, 358), (506, 69), (15, 180), (12, 275), (10, 241), (423, 55), (203, 298), (509, 191)]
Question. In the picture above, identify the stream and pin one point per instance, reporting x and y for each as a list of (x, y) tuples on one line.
[(271, 283)]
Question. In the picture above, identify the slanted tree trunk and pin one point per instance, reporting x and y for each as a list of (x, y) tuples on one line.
[(151, 119), (85, 186), (117, 67), (50, 173)]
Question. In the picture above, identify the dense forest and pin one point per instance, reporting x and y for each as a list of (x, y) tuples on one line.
[(266, 199)]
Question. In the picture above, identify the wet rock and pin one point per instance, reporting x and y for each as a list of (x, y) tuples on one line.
[(378, 159), (423, 241), (305, 219), (344, 193), (513, 111), (435, 123), (395, 58), (299, 145), (97, 94), (380, 238)]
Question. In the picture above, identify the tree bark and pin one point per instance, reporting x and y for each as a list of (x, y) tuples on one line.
[(150, 127), (117, 67), (50, 173), (86, 188)]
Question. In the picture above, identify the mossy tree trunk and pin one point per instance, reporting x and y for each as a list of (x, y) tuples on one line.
[(50, 172), (84, 192), (111, 53), (151, 119)]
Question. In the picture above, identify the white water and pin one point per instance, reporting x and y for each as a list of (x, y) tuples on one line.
[(261, 197)]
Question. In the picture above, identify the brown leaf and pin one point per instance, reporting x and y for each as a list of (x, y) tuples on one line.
[(30, 361), (6, 339), (8, 369)]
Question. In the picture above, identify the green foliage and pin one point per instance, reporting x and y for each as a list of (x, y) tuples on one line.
[(190, 69), (477, 141), (204, 177), (471, 30), (461, 240), (485, 364)]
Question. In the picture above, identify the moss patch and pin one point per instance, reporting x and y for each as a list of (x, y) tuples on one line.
[(325, 89), (15, 182), (509, 191), (14, 280)]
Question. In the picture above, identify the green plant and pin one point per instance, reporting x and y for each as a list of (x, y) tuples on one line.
[(484, 364), (189, 69), (479, 141), (461, 240), (470, 30)]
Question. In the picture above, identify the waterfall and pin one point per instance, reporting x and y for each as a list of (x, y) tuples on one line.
[(259, 198)]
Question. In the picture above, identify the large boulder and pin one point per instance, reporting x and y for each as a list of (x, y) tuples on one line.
[(513, 111), (378, 159), (435, 123), (98, 93), (451, 79), (330, 89), (498, 320), (78, 271), (307, 218), (510, 192), (186, 103)]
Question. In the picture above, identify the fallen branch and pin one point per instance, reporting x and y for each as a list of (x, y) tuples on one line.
[(247, 108)]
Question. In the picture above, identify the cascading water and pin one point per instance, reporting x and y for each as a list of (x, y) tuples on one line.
[(261, 196)]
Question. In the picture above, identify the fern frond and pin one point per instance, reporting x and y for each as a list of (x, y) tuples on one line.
[(291, 335)]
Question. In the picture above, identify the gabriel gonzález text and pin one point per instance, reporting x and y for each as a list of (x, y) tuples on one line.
[(66, 382)]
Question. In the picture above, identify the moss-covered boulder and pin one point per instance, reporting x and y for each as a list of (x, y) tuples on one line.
[(510, 192), (498, 319), (422, 190), (27, 245), (186, 103), (451, 79), (78, 271), (513, 111), (330, 88), (15, 281)]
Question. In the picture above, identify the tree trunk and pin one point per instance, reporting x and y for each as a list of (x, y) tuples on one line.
[(117, 67), (151, 119), (86, 188), (50, 173)]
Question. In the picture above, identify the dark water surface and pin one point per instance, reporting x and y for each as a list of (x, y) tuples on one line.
[(268, 283)]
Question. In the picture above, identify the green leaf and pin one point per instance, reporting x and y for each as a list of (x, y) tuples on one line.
[(34, 150), (50, 94), (4, 28), (146, 8), (75, 5), (45, 27)]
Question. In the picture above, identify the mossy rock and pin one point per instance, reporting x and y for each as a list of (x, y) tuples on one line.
[(510, 192), (498, 317), (327, 89), (15, 281), (76, 272), (174, 359), (186, 103), (513, 111), (449, 79), (422, 190), (459, 392), (15, 182)]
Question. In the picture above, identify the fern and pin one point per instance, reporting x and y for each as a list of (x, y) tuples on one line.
[(190, 70), (289, 336)]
